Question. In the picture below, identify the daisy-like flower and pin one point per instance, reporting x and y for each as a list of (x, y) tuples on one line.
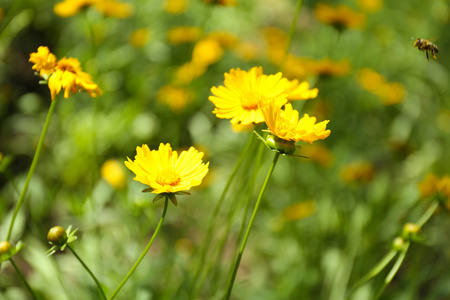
[(166, 172), (44, 61), (242, 91), (285, 124), (300, 91), (340, 17), (69, 76)]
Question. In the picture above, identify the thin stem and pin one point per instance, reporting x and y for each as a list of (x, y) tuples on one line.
[(23, 279), (89, 271), (32, 168), (394, 269), (291, 33), (249, 227), (428, 213), (375, 270), (166, 201), (216, 212)]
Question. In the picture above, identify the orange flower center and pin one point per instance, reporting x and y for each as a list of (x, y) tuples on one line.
[(67, 67), (250, 100), (168, 178)]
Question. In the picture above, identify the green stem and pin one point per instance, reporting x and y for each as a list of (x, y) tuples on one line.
[(394, 269), (375, 270), (32, 168), (291, 33), (428, 213), (166, 201), (249, 227), (23, 279), (216, 212), (89, 271)]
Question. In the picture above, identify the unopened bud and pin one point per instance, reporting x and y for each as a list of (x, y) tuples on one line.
[(57, 236), (5, 247)]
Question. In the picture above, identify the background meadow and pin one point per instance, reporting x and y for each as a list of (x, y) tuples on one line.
[(324, 221)]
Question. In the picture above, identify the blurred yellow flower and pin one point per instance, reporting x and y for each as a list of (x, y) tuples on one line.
[(300, 91), (115, 9), (174, 96), (299, 211), (183, 34), (239, 127), (166, 172), (276, 40), (362, 172), (242, 91), (340, 17), (224, 38), (69, 76), (140, 37), (112, 8), (188, 72), (328, 67), (388, 92), (206, 52), (285, 124), (432, 185), (175, 6), (246, 51), (44, 61), (113, 173), (318, 154), (370, 6)]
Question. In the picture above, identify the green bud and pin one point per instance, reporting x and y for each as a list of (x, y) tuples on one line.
[(398, 244), (57, 236), (283, 146)]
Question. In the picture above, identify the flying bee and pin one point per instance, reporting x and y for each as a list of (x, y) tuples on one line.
[(426, 45)]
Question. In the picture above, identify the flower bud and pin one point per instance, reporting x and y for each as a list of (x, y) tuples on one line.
[(283, 146), (410, 231), (398, 244), (5, 248), (57, 236)]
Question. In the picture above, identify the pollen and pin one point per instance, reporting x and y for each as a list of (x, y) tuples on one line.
[(168, 178)]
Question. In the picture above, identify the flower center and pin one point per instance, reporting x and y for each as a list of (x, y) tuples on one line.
[(67, 67), (250, 100), (168, 178)]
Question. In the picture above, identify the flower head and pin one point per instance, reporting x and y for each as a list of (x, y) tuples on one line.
[(166, 172), (44, 61), (69, 76), (113, 173), (340, 17), (239, 98), (285, 124)]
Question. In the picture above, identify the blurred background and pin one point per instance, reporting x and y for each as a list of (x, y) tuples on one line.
[(324, 221)]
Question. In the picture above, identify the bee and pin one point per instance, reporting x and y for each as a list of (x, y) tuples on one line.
[(426, 45)]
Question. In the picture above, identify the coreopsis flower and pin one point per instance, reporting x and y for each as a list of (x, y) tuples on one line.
[(183, 34), (69, 76), (111, 8), (139, 38), (64, 74), (174, 96), (175, 6), (206, 52), (112, 172), (388, 92), (286, 125), (238, 99), (370, 6), (361, 172), (436, 187), (340, 17), (167, 173), (301, 91), (44, 61)]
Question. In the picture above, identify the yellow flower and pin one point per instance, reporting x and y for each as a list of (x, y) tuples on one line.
[(114, 8), (68, 8), (224, 38), (340, 17), (327, 67), (166, 172), (188, 72), (300, 91), (299, 210), (388, 92), (183, 34), (44, 61), (222, 2), (238, 99), (175, 6), (370, 6), (206, 52), (68, 76), (318, 154), (362, 172), (139, 37), (176, 97), (285, 124), (112, 172)]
